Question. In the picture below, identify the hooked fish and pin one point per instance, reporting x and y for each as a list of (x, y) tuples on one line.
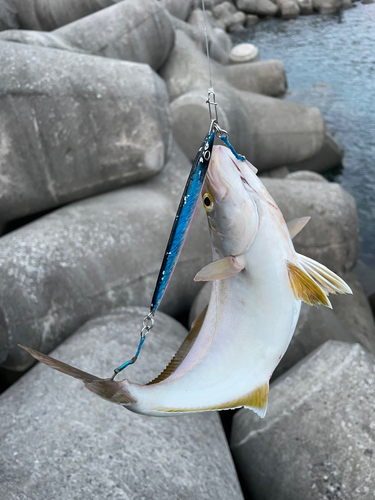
[(259, 281)]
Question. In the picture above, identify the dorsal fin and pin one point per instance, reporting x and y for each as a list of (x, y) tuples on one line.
[(183, 350)]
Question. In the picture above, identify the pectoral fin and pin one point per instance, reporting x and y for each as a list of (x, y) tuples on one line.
[(221, 269), (296, 225)]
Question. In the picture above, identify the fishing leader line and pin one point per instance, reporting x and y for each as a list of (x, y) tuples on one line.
[(186, 208)]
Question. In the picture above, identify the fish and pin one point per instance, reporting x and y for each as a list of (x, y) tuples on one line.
[(258, 284)]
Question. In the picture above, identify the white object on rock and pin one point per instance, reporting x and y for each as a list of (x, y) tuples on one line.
[(244, 52)]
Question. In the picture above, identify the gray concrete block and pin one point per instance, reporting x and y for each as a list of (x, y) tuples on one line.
[(60, 441), (331, 236), (259, 7), (327, 6), (305, 175), (74, 125), (8, 15), (289, 9), (132, 30), (47, 15), (317, 441), (178, 8), (261, 77), (85, 259)]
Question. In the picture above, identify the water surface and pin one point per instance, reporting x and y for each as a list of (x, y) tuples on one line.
[(330, 63)]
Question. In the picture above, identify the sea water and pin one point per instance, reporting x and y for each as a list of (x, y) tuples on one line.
[(330, 64)]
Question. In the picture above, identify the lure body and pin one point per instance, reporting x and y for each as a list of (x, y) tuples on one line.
[(258, 284), (183, 219)]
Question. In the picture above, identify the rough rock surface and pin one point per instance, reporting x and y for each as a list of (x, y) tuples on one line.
[(261, 77), (8, 15), (133, 30), (47, 15), (178, 8), (289, 9), (87, 258), (306, 7), (305, 175), (317, 440), (331, 236), (60, 441), (73, 125)]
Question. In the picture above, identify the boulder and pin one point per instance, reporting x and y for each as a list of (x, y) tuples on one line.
[(330, 155), (305, 175), (179, 8), (270, 132), (60, 441), (236, 22), (259, 7), (140, 31), (262, 77), (355, 313), (289, 9), (327, 6), (366, 277), (47, 15), (89, 257), (243, 53), (306, 7), (8, 15), (331, 236), (251, 20), (73, 125), (317, 439)]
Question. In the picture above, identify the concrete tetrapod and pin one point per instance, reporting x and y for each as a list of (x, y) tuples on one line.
[(94, 255), (58, 440), (133, 30), (317, 439), (74, 125), (48, 15)]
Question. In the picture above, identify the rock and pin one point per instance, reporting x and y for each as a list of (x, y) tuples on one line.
[(320, 423), (277, 173), (90, 257), (73, 125), (179, 8), (347, 4), (236, 22), (331, 236), (289, 9), (262, 77), (316, 325), (141, 31), (251, 20), (355, 313), (8, 15), (329, 156), (306, 7), (268, 131), (244, 52), (327, 6), (219, 42), (47, 15), (305, 175), (366, 277), (365, 2), (58, 440), (223, 10), (259, 7)]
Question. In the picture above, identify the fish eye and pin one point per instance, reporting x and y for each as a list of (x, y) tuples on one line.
[(208, 202)]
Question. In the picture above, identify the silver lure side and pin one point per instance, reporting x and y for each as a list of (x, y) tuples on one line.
[(258, 284)]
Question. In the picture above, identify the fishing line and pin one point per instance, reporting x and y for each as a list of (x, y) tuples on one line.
[(186, 208)]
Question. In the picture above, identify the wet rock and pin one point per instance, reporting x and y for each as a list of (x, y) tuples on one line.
[(331, 236), (306, 7), (244, 52), (355, 313), (319, 423), (178, 8), (251, 20), (47, 15), (327, 6), (8, 15), (58, 440), (289, 9), (89, 257), (140, 31), (262, 77), (259, 7), (73, 125), (329, 156)]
